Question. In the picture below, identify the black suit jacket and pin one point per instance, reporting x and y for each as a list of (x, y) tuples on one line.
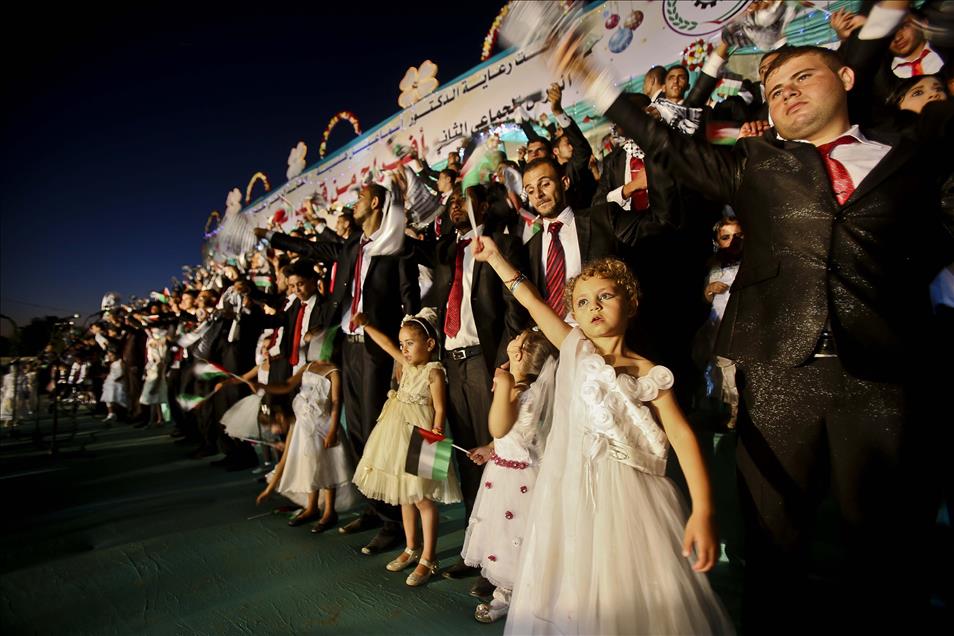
[(497, 314), (582, 184), (391, 287), (865, 264)]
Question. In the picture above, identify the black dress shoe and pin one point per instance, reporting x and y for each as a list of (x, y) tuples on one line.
[(362, 523), (385, 539), (302, 518), (321, 526), (482, 588), (460, 570)]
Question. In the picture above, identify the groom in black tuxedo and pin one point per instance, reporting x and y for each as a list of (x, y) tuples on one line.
[(384, 287), (830, 322)]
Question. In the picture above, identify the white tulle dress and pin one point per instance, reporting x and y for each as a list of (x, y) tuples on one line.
[(310, 466), (603, 548), (241, 420), (114, 389)]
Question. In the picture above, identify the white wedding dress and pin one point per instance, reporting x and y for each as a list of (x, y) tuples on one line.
[(603, 550)]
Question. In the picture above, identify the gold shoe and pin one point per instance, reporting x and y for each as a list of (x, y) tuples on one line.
[(398, 564), (414, 579)]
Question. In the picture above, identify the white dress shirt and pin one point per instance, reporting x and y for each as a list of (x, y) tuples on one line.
[(365, 264), (859, 159), (305, 321), (467, 336)]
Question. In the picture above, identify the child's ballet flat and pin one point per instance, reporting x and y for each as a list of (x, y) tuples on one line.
[(413, 555), (414, 579), (484, 613)]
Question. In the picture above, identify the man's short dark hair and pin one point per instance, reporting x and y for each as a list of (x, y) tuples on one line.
[(303, 268), (831, 58), (544, 161), (541, 140), (379, 191), (673, 68), (450, 173), (657, 73)]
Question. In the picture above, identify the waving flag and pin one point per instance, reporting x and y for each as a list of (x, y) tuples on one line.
[(428, 455)]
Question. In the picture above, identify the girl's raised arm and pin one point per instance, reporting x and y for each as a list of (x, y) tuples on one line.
[(551, 324), (380, 338), (282, 389), (503, 408)]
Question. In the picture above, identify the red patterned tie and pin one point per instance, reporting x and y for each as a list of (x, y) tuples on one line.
[(452, 320), (916, 69), (841, 181), (356, 297), (639, 199), (556, 269), (296, 337)]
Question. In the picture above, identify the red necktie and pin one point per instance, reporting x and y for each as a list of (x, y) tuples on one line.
[(916, 69), (356, 297), (296, 337), (639, 199), (556, 269), (841, 181), (452, 320)]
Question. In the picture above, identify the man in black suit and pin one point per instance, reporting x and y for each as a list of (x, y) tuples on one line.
[(478, 318), (384, 287), (571, 237), (573, 152), (830, 322)]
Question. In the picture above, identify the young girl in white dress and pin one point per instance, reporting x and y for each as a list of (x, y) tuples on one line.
[(316, 456), (608, 549), (154, 390), (519, 415), (241, 420), (114, 386), (419, 401)]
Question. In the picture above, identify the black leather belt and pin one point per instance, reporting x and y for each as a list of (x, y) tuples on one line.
[(464, 352), (825, 347), (354, 337)]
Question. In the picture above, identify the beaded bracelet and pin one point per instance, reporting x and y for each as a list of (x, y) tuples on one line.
[(507, 283)]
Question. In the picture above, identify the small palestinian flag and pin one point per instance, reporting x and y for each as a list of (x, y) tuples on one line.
[(209, 371), (322, 346), (722, 133), (189, 402), (428, 455), (263, 282)]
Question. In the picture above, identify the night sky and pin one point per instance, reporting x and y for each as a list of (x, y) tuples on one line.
[(122, 131)]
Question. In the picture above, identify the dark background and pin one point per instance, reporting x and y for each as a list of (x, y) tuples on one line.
[(123, 129)]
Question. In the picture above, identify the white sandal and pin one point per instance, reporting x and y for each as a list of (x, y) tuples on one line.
[(414, 579), (398, 564)]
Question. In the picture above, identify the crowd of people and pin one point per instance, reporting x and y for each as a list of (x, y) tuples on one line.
[(507, 316)]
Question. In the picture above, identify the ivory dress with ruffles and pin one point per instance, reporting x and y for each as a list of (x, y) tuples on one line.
[(380, 473), (602, 553)]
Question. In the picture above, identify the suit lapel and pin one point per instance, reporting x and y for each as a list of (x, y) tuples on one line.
[(896, 157), (535, 249), (583, 233)]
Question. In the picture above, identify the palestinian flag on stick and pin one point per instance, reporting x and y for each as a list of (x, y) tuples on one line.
[(428, 455), (263, 282), (189, 402), (209, 371)]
